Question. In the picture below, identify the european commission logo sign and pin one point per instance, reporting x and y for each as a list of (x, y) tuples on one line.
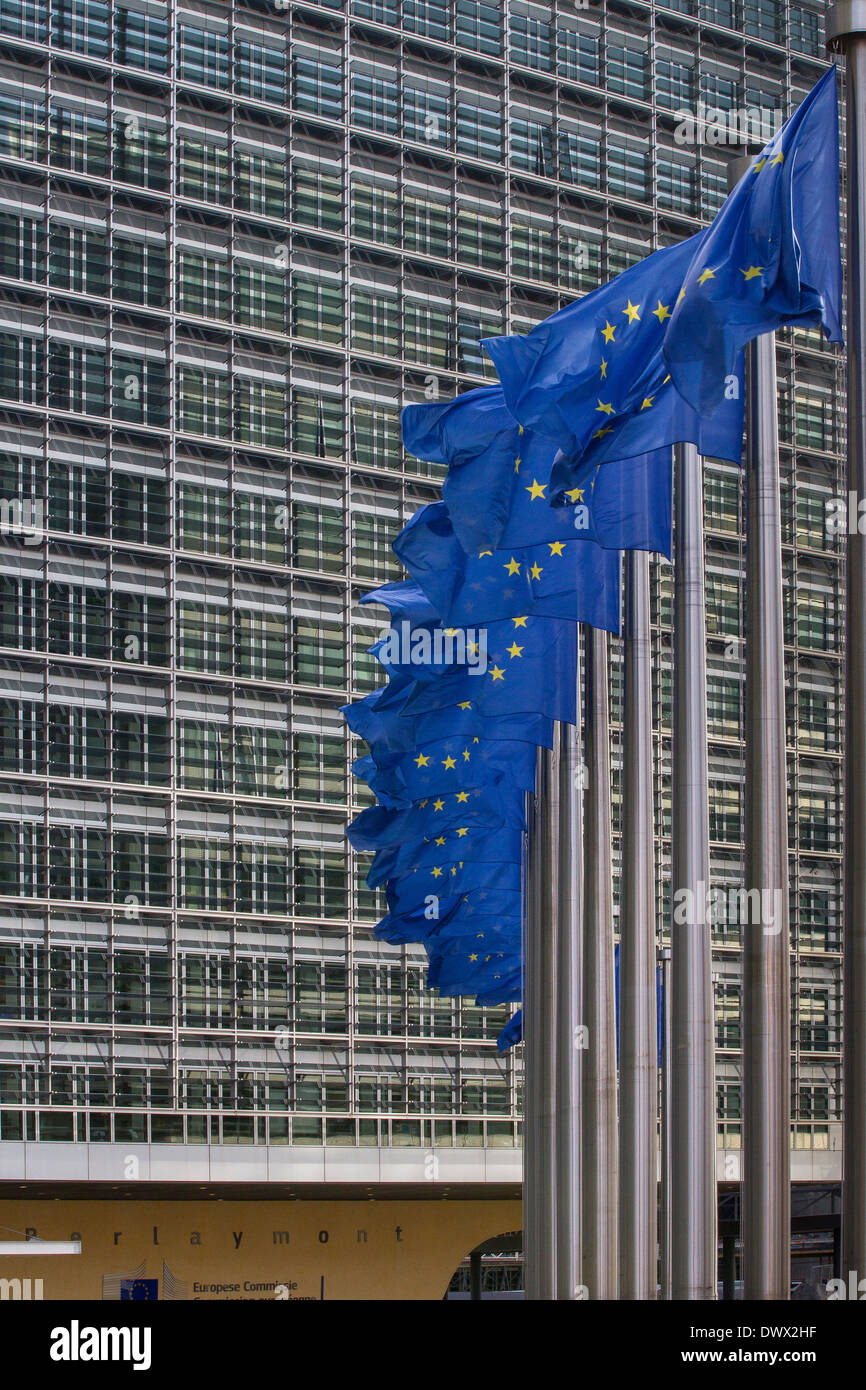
[(139, 1290), (135, 1287)]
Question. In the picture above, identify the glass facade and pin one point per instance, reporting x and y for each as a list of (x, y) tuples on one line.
[(234, 240)]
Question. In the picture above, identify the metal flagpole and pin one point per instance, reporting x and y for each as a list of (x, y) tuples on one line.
[(569, 1014), (766, 1198), (846, 30), (766, 935), (598, 1072), (693, 1123), (665, 1183), (539, 1031), (638, 1058)]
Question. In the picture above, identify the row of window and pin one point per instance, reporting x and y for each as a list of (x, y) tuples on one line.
[(86, 620), (251, 409), (254, 63), (78, 984), (208, 170), (76, 742), (72, 863), (257, 520), (258, 287), (69, 376)]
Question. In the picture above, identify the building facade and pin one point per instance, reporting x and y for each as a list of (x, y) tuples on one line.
[(234, 240)]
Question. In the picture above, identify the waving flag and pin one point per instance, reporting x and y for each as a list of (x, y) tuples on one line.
[(446, 765), (592, 376), (512, 1033), (771, 256), (394, 730), (490, 806), (577, 580), (435, 860), (414, 888), (531, 665), (497, 489)]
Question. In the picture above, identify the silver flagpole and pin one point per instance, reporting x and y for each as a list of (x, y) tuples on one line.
[(846, 30), (569, 1013), (766, 1193), (638, 1057), (665, 1183), (766, 933), (598, 1073), (539, 1177), (693, 1123)]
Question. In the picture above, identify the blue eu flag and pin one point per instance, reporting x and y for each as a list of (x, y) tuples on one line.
[(413, 889), (512, 1033), (438, 864), (592, 376), (446, 765), (491, 806), (771, 256), (497, 489), (531, 665), (388, 729), (578, 580)]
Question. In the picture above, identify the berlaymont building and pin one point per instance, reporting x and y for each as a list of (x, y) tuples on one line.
[(235, 239)]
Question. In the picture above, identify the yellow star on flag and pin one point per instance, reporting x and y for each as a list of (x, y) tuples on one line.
[(662, 312), (439, 805), (706, 275), (448, 763), (421, 760), (603, 369), (437, 873), (498, 673), (467, 704), (466, 755), (537, 490), (647, 402), (632, 311), (780, 159), (608, 331), (556, 547), (513, 566), (754, 272), (462, 796), (760, 164), (462, 831), (575, 495), (520, 622), (535, 572), (440, 840), (605, 407), (514, 650)]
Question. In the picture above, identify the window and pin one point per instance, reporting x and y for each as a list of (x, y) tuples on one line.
[(204, 57), (317, 87)]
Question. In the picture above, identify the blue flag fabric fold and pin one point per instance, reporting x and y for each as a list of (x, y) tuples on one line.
[(402, 732), (512, 1033), (576, 580), (447, 765), (497, 490), (592, 376), (433, 862), (490, 806), (771, 256), (535, 670), (413, 889)]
